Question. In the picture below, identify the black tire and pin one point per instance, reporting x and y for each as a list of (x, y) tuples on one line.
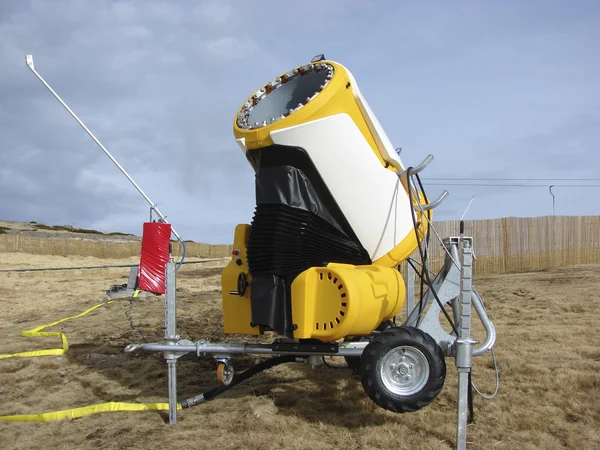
[(409, 339), (354, 361)]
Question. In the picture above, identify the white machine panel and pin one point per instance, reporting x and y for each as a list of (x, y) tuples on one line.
[(370, 196)]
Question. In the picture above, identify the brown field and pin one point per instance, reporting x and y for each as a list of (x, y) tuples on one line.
[(547, 349)]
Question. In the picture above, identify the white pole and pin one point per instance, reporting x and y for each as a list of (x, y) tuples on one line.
[(29, 61)]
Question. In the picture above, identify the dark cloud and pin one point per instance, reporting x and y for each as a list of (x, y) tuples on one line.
[(491, 90)]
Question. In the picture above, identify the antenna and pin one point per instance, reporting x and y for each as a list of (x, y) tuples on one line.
[(468, 206), (153, 206)]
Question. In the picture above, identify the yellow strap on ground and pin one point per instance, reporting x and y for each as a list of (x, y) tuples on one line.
[(75, 413), (36, 332)]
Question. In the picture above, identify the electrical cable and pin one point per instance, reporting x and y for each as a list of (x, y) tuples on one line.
[(471, 417), (490, 397), (412, 263), (497, 372), (182, 255), (415, 226), (427, 230), (423, 258)]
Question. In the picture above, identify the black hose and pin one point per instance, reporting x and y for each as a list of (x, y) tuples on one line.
[(237, 379), (470, 401), (424, 257), (426, 252)]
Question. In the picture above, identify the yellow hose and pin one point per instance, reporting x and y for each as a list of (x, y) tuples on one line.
[(36, 332), (75, 412)]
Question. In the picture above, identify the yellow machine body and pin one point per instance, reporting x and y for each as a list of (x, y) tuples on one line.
[(347, 178), (237, 313), (329, 303)]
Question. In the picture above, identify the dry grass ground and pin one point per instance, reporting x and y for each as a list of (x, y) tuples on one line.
[(547, 349)]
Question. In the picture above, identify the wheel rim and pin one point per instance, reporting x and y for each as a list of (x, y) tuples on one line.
[(404, 370)]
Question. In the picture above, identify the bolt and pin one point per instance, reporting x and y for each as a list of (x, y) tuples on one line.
[(408, 377), (393, 366), (412, 366)]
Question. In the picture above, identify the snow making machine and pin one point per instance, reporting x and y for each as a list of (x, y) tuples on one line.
[(337, 212)]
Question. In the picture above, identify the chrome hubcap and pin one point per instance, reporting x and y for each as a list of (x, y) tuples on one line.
[(404, 370)]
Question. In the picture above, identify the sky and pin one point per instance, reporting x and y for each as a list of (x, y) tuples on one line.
[(493, 89)]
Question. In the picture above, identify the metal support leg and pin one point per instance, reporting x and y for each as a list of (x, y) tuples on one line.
[(464, 349), (463, 412), (172, 366), (171, 338)]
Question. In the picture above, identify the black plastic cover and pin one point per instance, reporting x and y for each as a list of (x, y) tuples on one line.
[(297, 225), (287, 185), (271, 304)]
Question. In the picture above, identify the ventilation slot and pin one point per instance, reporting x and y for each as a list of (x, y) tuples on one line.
[(286, 241)]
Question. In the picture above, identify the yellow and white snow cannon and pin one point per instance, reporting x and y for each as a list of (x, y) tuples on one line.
[(333, 219)]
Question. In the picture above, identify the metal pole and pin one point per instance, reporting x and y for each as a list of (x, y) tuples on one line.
[(464, 349), (201, 348), (171, 338), (553, 200), (29, 61)]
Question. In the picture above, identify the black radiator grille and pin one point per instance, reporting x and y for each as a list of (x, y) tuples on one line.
[(285, 241)]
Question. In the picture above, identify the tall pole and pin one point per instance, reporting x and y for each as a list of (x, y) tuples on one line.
[(29, 62), (553, 200)]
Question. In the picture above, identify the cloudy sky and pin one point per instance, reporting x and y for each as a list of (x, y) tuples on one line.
[(493, 89)]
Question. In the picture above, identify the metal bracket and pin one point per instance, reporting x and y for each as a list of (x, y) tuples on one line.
[(414, 171), (447, 285), (419, 168), (434, 204)]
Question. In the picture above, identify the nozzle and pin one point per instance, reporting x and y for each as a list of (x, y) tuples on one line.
[(29, 61)]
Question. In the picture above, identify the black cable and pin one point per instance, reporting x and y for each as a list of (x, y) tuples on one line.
[(437, 299), (426, 252), (471, 417), (412, 263), (417, 271), (422, 254)]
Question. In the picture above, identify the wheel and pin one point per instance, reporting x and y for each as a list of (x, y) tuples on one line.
[(224, 373), (402, 369), (354, 361)]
